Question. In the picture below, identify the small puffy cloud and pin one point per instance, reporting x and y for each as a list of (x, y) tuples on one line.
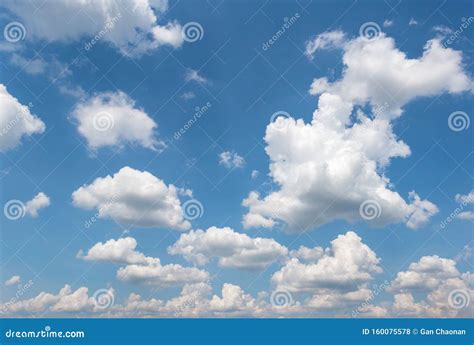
[(412, 22), (419, 211), (466, 215), (119, 251), (326, 40), (32, 66), (129, 26), (193, 75), (40, 201), (16, 121), (465, 199), (309, 255), (188, 95), (232, 249), (387, 23), (15, 280), (254, 174), (325, 170), (111, 119), (346, 266), (231, 160), (135, 199), (161, 275)]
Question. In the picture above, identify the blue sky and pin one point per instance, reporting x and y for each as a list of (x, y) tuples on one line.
[(242, 84)]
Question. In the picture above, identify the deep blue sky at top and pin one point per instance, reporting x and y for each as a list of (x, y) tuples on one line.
[(246, 86)]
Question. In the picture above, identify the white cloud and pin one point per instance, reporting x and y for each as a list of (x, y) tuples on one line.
[(14, 280), (188, 95), (387, 23), (327, 168), (231, 160), (16, 121), (438, 285), (32, 66), (193, 75), (233, 249), (135, 199), (466, 215), (465, 199), (161, 275), (40, 201), (326, 40), (254, 174), (112, 119), (346, 266), (129, 26), (120, 251)]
